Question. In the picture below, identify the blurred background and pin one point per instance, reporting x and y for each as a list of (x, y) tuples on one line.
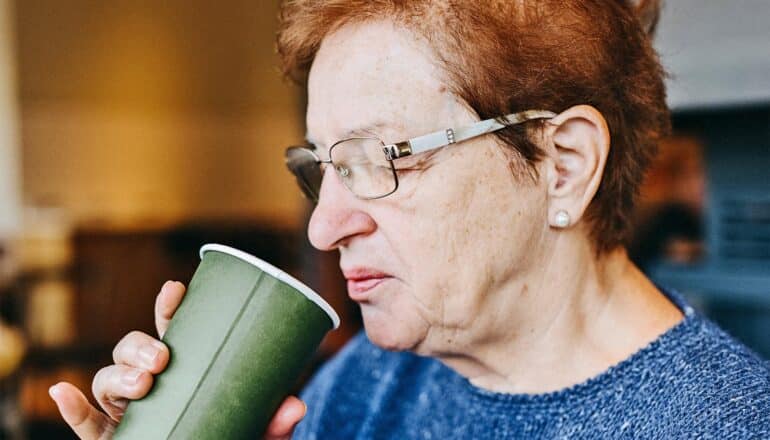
[(133, 132)]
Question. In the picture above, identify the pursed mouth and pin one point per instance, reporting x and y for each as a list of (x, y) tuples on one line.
[(365, 284), (360, 281)]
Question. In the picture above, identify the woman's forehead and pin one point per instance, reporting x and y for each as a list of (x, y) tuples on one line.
[(371, 76)]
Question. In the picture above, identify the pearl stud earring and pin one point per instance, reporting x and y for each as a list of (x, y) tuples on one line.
[(562, 219)]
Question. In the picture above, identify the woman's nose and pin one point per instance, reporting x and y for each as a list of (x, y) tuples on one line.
[(337, 218)]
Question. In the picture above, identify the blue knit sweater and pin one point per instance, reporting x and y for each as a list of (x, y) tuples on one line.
[(694, 381)]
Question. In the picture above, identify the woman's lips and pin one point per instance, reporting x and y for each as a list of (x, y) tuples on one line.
[(362, 280)]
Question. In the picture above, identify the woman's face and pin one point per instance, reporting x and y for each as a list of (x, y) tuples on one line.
[(427, 262)]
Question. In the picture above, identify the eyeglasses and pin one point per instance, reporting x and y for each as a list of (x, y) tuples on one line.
[(365, 165)]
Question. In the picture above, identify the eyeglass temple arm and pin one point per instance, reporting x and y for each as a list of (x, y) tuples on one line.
[(449, 136)]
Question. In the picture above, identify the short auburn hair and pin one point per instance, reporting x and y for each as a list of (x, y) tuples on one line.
[(503, 56)]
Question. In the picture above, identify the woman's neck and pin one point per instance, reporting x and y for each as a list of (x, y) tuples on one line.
[(570, 322)]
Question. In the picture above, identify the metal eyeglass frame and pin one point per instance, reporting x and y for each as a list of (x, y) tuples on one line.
[(421, 144)]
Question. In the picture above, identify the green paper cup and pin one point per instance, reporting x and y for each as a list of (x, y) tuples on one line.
[(240, 339)]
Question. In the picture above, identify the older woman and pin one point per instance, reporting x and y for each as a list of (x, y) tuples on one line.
[(475, 165)]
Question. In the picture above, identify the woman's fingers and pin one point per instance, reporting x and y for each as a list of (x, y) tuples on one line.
[(115, 385), (291, 411), (87, 422), (140, 350), (138, 357), (91, 424), (166, 303)]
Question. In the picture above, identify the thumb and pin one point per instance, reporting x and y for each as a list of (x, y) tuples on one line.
[(291, 411), (87, 422)]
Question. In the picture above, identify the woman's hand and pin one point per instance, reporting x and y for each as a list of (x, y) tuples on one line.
[(138, 358)]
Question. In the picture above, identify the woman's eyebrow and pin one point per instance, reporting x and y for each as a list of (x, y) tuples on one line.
[(368, 130), (374, 129)]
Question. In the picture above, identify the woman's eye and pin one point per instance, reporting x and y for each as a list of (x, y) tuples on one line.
[(343, 170)]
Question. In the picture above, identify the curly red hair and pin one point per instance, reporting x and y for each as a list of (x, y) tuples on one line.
[(505, 56)]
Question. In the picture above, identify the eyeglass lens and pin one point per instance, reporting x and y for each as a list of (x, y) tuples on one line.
[(359, 162)]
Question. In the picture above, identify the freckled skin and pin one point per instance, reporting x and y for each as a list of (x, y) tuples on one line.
[(481, 280), (455, 233)]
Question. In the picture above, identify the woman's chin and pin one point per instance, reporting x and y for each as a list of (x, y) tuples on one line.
[(389, 333)]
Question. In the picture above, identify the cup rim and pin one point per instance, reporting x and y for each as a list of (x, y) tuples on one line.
[(276, 273)]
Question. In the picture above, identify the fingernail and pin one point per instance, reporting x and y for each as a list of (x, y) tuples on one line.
[(53, 392), (305, 406), (165, 286), (148, 353), (132, 377)]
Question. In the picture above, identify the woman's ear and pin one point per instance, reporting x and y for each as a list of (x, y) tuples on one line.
[(579, 142)]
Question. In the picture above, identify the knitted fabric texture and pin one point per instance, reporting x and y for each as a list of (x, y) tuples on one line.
[(693, 381)]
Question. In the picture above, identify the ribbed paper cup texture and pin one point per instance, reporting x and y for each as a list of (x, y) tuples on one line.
[(239, 341)]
